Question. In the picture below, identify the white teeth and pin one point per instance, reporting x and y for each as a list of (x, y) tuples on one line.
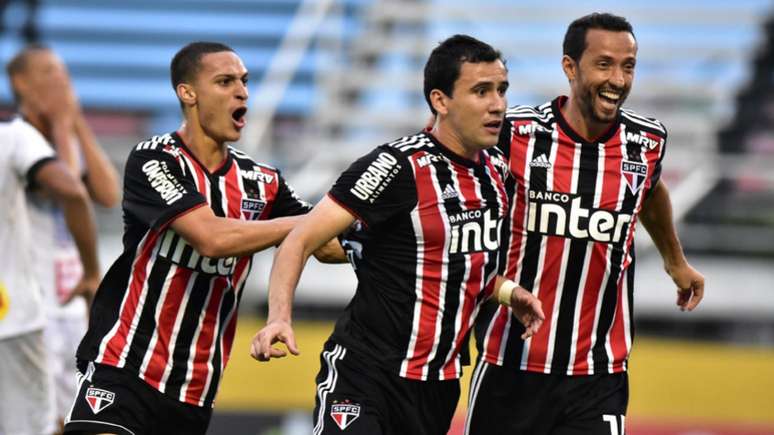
[(610, 95)]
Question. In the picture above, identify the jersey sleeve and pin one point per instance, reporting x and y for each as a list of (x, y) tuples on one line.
[(376, 187), (656, 175), (287, 203), (30, 152), (156, 188)]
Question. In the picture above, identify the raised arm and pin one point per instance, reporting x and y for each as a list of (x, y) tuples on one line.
[(656, 217), (101, 176), (327, 220)]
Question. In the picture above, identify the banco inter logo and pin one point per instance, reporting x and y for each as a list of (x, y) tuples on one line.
[(561, 214), (474, 231)]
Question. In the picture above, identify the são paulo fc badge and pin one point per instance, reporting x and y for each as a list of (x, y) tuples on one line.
[(99, 399), (634, 173), (344, 413), (252, 208)]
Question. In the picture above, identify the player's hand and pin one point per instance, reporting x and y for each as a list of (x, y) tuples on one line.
[(690, 286), (528, 309), (274, 331), (86, 288)]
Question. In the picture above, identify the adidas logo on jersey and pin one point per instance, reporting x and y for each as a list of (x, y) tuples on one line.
[(540, 161), (449, 192)]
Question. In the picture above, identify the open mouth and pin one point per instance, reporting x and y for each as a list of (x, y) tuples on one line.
[(493, 126), (238, 116), (610, 97)]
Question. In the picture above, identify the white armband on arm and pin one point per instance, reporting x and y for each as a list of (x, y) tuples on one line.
[(505, 291)]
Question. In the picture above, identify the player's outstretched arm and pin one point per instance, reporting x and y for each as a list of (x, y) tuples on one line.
[(323, 223), (213, 236), (656, 217), (524, 305), (69, 192)]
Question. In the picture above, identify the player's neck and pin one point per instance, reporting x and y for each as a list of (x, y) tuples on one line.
[(582, 123), (207, 151), (452, 140)]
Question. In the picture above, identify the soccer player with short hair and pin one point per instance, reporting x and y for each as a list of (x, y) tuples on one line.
[(195, 210), (28, 162), (583, 171), (427, 211), (46, 99)]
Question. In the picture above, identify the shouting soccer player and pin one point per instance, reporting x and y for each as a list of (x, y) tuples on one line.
[(427, 210), (195, 209), (583, 170)]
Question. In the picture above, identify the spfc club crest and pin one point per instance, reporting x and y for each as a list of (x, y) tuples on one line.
[(99, 399), (344, 413), (252, 208), (635, 174)]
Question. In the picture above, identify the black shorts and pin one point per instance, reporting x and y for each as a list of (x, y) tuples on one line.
[(357, 396), (505, 400), (114, 400)]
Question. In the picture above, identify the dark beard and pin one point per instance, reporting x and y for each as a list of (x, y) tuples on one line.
[(587, 107)]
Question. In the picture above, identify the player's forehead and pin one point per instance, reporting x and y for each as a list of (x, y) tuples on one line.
[(472, 73), (220, 63), (617, 44)]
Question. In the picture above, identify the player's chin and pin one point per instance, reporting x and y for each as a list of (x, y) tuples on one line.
[(488, 140), (232, 135)]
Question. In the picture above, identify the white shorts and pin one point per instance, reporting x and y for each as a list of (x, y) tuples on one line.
[(62, 336), (26, 387)]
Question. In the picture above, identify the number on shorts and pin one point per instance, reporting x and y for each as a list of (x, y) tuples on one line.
[(612, 420)]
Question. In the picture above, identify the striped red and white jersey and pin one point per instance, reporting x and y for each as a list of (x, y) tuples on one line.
[(425, 251), (572, 219), (163, 311)]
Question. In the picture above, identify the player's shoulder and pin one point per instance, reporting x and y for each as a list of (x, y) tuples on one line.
[(638, 122), (407, 146), (542, 113), (246, 162), (157, 143)]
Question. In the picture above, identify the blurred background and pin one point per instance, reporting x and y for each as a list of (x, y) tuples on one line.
[(331, 79)]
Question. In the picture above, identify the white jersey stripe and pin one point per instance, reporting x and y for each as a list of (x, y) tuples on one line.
[(192, 349), (331, 357), (419, 233), (176, 329)]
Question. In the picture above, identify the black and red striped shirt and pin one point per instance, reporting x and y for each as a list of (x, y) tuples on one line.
[(425, 253), (573, 214), (163, 311)]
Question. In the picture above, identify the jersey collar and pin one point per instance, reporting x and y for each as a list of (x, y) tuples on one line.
[(556, 107)]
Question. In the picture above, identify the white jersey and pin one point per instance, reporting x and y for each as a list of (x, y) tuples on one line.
[(54, 252), (22, 147)]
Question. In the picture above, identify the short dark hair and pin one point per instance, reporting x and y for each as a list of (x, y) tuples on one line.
[(575, 39), (187, 60), (443, 66), (18, 63)]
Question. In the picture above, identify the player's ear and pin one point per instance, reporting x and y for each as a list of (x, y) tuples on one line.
[(439, 101), (569, 67), (186, 94)]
